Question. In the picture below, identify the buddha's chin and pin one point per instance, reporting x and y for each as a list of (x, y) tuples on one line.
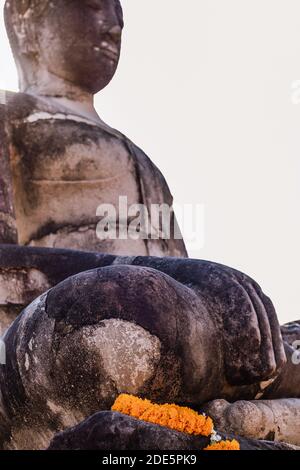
[(93, 81)]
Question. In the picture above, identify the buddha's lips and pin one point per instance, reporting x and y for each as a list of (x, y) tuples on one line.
[(110, 51)]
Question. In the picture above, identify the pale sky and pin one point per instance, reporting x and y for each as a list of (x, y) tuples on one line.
[(204, 87)]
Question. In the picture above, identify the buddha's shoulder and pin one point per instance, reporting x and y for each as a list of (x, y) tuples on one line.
[(32, 109), (17, 105), (36, 114)]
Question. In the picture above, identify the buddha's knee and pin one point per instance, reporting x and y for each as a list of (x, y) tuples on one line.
[(100, 333)]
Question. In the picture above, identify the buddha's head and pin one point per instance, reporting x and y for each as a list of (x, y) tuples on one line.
[(78, 41)]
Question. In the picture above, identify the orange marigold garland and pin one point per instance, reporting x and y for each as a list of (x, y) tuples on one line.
[(175, 417), (172, 416), (224, 445)]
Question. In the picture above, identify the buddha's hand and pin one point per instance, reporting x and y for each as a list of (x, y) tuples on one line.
[(253, 346), (245, 317)]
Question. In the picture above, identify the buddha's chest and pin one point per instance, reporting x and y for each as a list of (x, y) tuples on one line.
[(64, 171), (63, 150)]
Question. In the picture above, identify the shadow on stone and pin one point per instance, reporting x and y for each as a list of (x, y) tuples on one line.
[(114, 431)]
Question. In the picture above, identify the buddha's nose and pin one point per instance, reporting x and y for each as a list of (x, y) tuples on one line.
[(115, 32)]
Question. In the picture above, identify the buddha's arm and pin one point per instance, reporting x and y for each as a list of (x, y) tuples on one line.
[(155, 191), (253, 344), (249, 326), (8, 231)]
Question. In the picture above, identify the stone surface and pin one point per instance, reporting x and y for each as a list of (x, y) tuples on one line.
[(291, 332), (8, 313), (166, 329), (169, 329), (220, 290), (277, 420), (8, 229), (59, 162), (114, 431)]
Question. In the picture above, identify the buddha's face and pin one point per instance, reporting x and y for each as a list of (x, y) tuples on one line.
[(80, 40)]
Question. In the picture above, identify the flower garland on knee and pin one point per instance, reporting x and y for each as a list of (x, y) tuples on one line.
[(175, 417)]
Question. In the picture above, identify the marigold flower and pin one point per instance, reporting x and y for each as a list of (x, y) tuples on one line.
[(175, 417), (224, 445)]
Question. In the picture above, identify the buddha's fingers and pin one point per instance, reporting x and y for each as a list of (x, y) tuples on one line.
[(278, 345), (278, 420), (253, 343), (268, 365), (267, 317), (270, 330), (272, 349)]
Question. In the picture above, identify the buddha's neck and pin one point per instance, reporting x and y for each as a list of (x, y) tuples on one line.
[(63, 93), (82, 108)]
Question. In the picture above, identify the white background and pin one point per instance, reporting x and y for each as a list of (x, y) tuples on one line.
[(204, 87)]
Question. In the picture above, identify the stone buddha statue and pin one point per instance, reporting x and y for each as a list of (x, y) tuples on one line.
[(94, 323), (59, 161), (167, 329)]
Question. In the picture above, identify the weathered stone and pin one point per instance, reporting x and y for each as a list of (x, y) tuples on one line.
[(277, 420), (59, 161), (8, 313), (158, 328), (291, 332), (114, 431), (168, 329), (220, 290), (8, 229), (18, 287)]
